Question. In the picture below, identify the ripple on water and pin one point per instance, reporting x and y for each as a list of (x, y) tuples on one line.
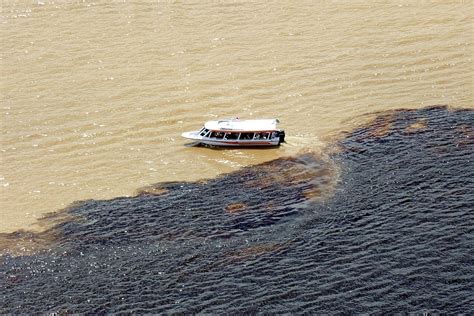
[(393, 233)]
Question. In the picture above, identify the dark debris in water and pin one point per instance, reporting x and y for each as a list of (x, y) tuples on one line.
[(392, 232)]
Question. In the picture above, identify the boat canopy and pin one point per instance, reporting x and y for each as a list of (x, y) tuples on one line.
[(243, 125)]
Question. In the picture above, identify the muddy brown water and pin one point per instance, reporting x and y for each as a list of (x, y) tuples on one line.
[(94, 95)]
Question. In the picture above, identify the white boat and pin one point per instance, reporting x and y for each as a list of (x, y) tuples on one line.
[(237, 132)]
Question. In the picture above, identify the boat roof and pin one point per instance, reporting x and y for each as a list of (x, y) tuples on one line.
[(243, 125)]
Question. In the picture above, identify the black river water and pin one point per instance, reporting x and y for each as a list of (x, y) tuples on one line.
[(384, 224)]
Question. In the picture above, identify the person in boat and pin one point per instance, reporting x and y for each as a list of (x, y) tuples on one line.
[(247, 136)]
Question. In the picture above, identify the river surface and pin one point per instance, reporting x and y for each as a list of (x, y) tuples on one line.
[(382, 225), (367, 208), (95, 95)]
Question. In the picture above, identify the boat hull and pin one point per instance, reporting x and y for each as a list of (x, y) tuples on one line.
[(194, 136), (239, 143)]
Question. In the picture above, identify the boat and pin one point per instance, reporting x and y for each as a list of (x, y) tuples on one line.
[(238, 133)]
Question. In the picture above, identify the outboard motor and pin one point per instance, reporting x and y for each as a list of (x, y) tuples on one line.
[(281, 134)]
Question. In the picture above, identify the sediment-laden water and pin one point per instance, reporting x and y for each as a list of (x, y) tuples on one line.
[(384, 224), (94, 95)]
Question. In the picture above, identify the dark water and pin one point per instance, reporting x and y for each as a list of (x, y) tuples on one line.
[(394, 234)]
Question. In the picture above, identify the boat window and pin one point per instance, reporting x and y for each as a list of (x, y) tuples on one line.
[(218, 135), (262, 135), (231, 136), (246, 136), (203, 132)]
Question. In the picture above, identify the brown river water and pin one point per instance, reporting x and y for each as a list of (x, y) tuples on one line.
[(95, 95)]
